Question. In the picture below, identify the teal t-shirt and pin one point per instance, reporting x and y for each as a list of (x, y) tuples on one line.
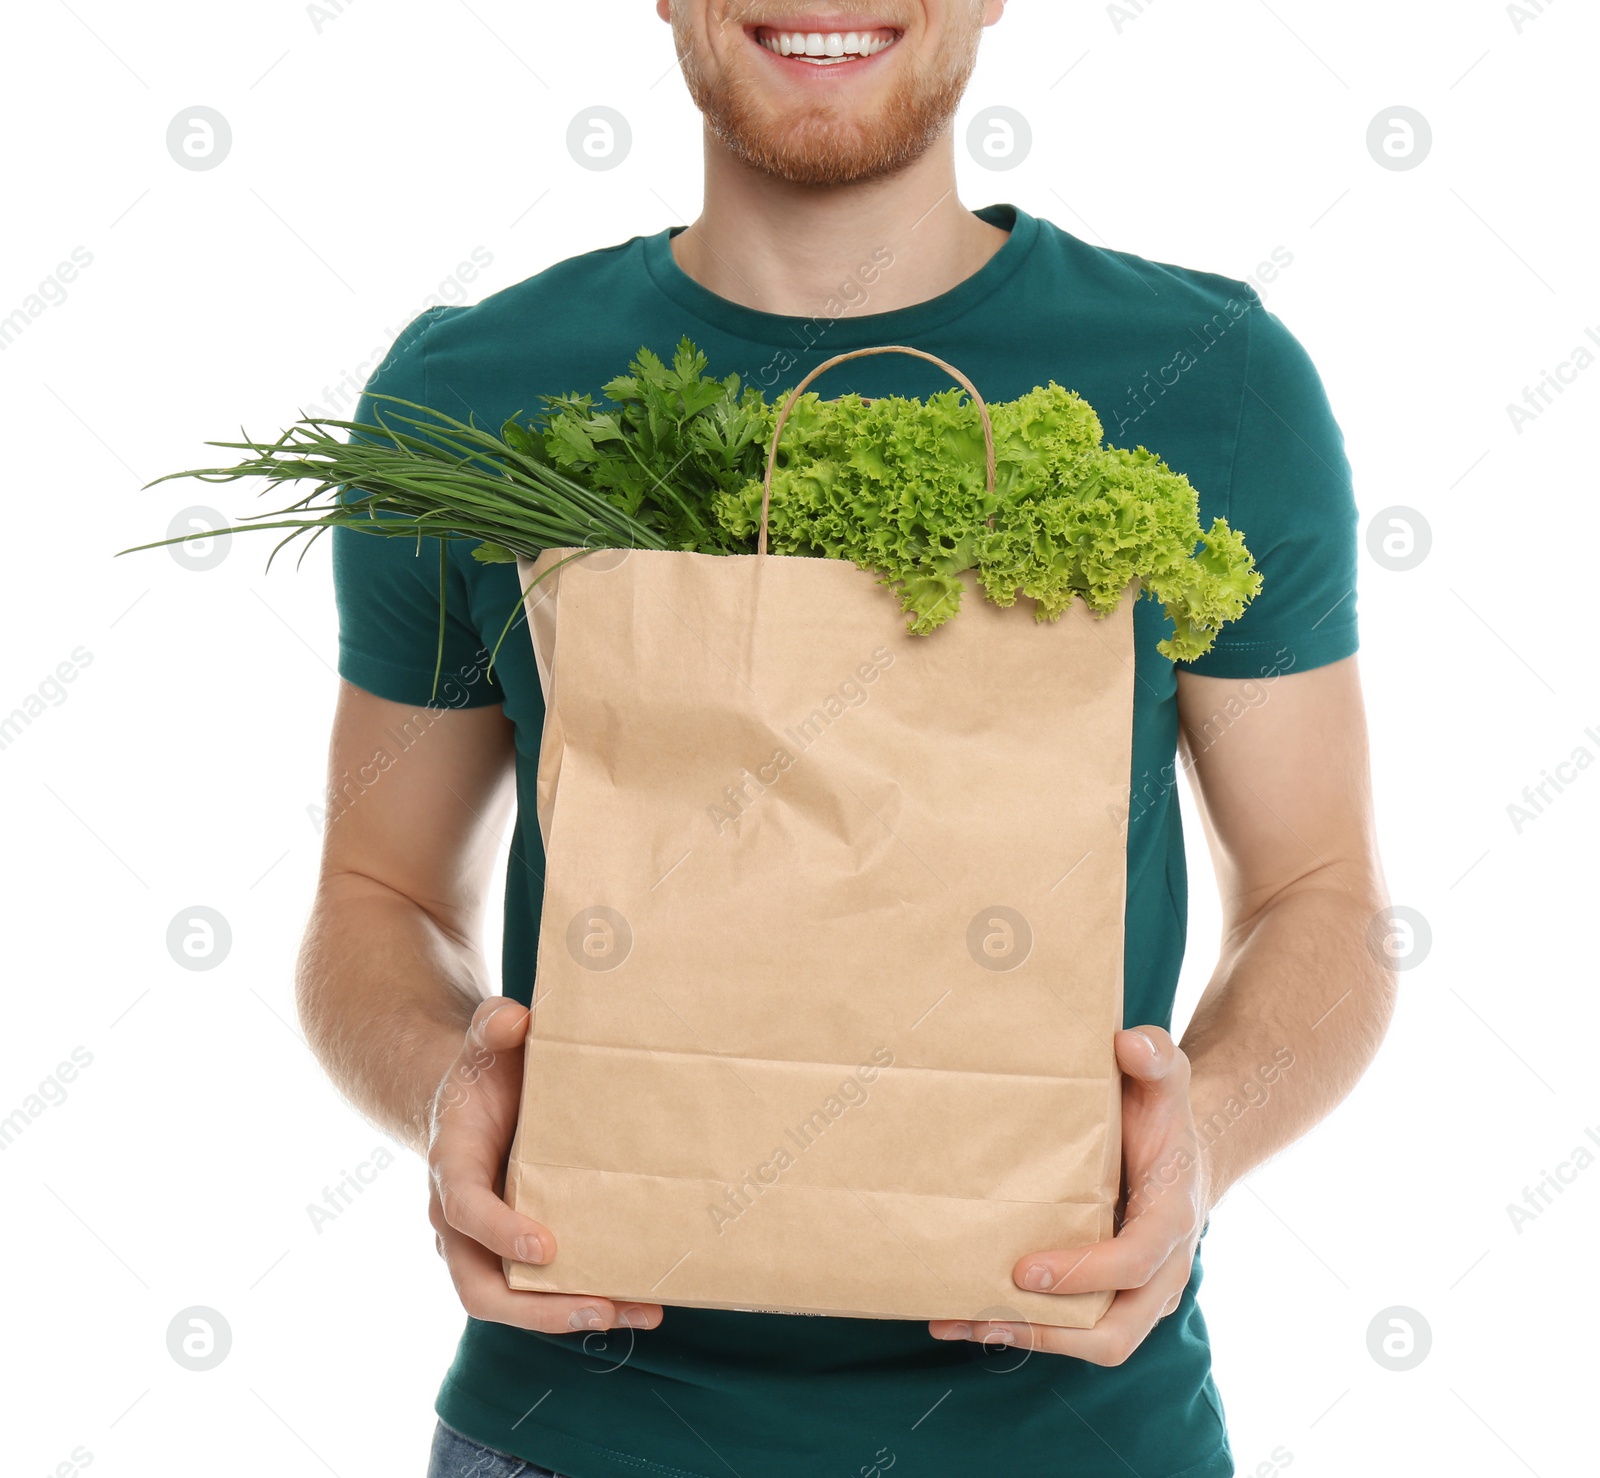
[(1187, 363)]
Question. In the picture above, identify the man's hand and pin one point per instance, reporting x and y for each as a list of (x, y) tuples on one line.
[(473, 1120), (1167, 1188), (391, 983), (1299, 999)]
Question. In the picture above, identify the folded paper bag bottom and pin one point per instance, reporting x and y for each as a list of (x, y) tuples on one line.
[(838, 1239)]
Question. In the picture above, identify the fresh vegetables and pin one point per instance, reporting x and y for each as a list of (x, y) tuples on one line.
[(897, 485), (676, 461), (675, 441), (459, 482)]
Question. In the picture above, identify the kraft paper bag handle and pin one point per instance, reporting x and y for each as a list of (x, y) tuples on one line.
[(794, 395)]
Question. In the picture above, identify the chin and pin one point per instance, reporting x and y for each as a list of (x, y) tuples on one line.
[(817, 107)]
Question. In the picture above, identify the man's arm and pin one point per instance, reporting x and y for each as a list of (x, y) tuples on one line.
[(392, 986), (1292, 1016), (390, 969), (1286, 799)]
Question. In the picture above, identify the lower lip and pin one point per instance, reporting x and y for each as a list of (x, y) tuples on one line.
[(795, 64)]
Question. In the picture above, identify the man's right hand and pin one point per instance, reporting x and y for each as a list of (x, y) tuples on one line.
[(391, 962), (474, 1117)]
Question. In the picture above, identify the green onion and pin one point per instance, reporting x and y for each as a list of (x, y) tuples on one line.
[(464, 483)]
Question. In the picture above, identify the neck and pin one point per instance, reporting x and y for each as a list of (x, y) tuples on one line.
[(799, 249)]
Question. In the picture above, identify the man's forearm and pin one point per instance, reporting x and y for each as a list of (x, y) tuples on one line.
[(385, 994), (1291, 1019)]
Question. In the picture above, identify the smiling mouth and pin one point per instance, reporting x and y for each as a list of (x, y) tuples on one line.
[(825, 48)]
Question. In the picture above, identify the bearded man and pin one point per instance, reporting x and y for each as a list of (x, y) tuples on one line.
[(831, 222)]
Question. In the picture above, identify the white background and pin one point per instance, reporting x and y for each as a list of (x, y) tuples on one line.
[(372, 152)]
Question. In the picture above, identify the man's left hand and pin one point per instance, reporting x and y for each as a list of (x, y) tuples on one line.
[(1168, 1185)]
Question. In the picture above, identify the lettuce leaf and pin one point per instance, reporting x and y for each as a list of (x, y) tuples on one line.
[(896, 485)]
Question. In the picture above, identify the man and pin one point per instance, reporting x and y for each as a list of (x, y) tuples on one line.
[(830, 222)]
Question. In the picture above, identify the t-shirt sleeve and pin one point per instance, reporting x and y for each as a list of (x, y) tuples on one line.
[(386, 589), (1292, 499)]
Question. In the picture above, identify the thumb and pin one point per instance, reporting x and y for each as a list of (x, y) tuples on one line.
[(1146, 1052), (498, 1023)]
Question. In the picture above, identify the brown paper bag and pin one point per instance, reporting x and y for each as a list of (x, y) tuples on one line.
[(830, 955)]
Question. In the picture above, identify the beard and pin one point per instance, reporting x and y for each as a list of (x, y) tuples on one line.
[(822, 142)]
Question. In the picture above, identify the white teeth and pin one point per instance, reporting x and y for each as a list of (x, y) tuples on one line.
[(835, 45)]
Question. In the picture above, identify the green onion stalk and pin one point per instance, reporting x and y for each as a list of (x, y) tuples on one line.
[(462, 483)]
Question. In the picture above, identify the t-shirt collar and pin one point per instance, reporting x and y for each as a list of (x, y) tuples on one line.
[(855, 327)]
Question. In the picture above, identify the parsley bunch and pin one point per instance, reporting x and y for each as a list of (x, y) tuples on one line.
[(676, 441)]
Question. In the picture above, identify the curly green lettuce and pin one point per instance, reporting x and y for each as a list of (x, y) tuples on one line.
[(896, 485)]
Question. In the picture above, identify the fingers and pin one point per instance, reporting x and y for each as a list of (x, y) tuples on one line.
[(480, 1284), (493, 1040), (474, 1118), (467, 1202), (1125, 1326), (491, 1051), (474, 1229), (1148, 1264), (1162, 1217), (1149, 1055), (1129, 1260), (485, 1081), (1161, 1226), (498, 1023)]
